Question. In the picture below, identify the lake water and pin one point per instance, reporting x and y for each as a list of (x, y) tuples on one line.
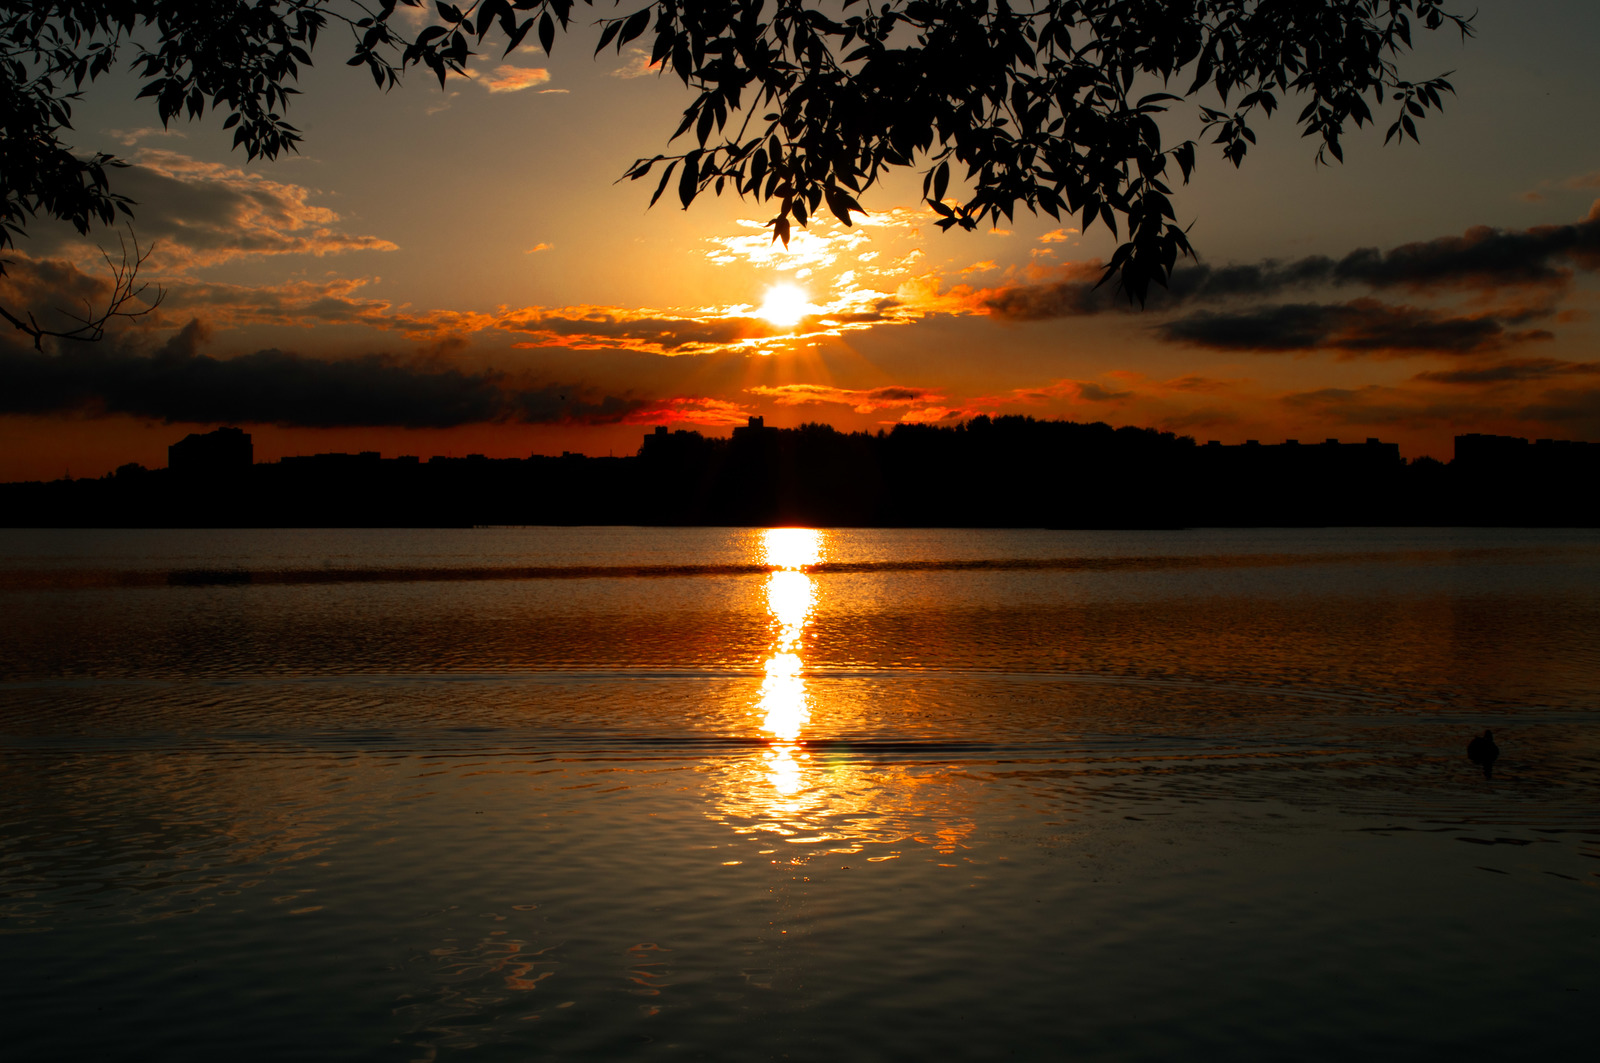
[(613, 793)]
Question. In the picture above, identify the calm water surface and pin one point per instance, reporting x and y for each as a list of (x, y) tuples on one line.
[(739, 794)]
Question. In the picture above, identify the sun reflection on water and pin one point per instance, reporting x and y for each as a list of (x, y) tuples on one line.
[(791, 601), (814, 799)]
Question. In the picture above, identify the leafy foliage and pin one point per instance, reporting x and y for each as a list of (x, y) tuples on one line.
[(1051, 106)]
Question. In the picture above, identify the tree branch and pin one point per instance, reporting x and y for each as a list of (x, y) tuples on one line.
[(124, 289)]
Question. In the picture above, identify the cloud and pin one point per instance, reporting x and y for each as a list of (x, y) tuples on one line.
[(1376, 405), (129, 137), (442, 106), (710, 412), (1558, 412), (203, 213), (49, 290), (599, 326), (1480, 259), (1073, 295), (1577, 412), (938, 414), (636, 65), (509, 78), (1579, 183), (1363, 326), (1088, 391), (41, 285), (1070, 390), (810, 248), (1510, 372), (869, 400), (536, 248), (1202, 417), (178, 384), (1198, 384), (1057, 236)]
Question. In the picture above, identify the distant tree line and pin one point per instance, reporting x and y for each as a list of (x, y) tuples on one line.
[(986, 472)]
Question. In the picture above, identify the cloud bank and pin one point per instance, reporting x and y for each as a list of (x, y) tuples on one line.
[(178, 384)]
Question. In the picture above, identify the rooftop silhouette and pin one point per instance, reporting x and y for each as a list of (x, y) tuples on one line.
[(986, 472)]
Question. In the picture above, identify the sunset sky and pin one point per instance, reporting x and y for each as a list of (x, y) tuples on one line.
[(460, 271)]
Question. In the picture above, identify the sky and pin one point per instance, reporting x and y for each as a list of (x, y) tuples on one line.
[(461, 271)]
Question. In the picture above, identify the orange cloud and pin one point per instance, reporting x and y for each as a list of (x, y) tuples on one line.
[(700, 410), (637, 65), (508, 78), (868, 400)]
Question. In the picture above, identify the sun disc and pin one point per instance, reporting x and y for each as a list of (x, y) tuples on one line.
[(785, 305)]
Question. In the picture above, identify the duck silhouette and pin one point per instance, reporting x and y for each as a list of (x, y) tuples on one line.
[(1483, 752)]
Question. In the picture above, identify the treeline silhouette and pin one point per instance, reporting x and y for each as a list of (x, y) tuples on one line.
[(986, 472)]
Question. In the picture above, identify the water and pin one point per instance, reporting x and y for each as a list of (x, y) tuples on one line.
[(733, 794)]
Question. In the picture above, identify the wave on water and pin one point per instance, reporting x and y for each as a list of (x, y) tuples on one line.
[(206, 576)]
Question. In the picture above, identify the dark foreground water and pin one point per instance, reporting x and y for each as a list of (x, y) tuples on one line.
[(742, 795)]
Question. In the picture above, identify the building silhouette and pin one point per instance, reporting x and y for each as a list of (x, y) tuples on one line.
[(224, 452), (984, 472)]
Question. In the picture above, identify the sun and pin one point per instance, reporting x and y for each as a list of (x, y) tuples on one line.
[(785, 305)]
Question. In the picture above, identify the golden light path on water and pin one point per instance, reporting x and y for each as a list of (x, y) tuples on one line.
[(817, 801), (791, 600)]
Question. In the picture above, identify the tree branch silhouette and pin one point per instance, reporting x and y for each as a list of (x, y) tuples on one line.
[(1049, 106), (91, 324)]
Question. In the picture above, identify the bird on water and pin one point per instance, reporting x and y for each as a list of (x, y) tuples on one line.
[(1483, 752)]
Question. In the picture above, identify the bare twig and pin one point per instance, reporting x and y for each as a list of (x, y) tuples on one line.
[(124, 289)]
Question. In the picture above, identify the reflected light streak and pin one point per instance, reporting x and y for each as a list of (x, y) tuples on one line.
[(817, 801), (791, 548), (791, 601), (783, 696)]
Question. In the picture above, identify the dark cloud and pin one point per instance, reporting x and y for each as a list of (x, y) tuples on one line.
[(1204, 417), (1089, 391), (200, 213), (1482, 257), (1575, 410), (1359, 327), (1197, 383), (1375, 405), (178, 384), (668, 333), (1571, 413), (1512, 372)]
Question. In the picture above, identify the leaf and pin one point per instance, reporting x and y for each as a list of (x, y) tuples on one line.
[(662, 187), (634, 26), (689, 180), (703, 126), (517, 37), (547, 32), (841, 203)]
